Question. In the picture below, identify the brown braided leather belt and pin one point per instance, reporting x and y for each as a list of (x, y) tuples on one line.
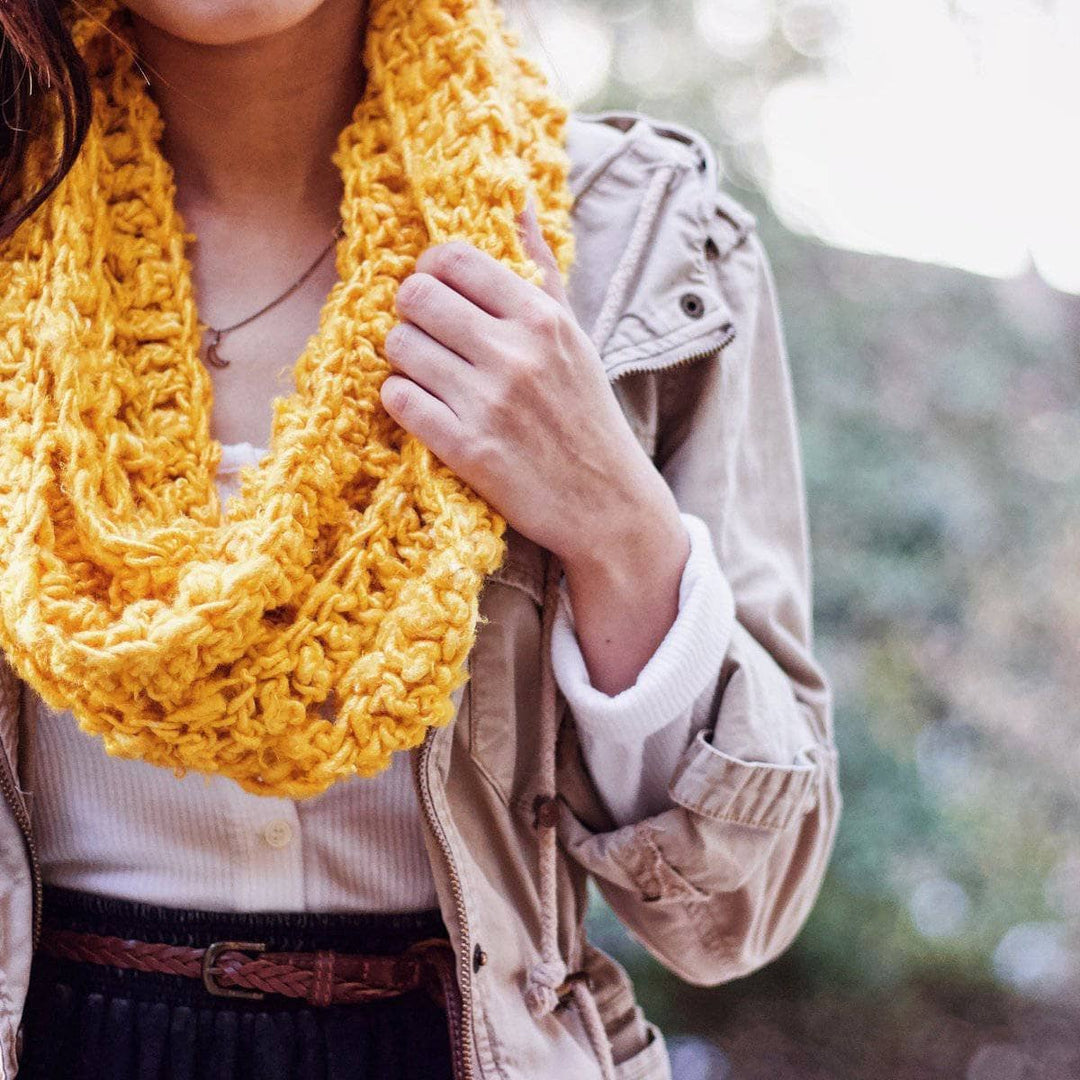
[(320, 978)]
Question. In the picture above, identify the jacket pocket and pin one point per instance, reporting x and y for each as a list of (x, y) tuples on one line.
[(503, 691), (649, 1063)]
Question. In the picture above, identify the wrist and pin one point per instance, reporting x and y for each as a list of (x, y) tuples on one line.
[(629, 539)]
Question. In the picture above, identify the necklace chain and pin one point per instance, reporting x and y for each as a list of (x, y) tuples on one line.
[(212, 354)]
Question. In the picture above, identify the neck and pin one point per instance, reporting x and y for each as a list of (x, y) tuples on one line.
[(250, 127)]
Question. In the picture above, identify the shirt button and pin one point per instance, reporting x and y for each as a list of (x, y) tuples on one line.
[(278, 833)]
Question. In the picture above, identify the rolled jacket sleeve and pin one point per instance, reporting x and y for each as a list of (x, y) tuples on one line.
[(718, 876)]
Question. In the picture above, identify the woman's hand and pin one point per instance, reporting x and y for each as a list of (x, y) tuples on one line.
[(496, 377)]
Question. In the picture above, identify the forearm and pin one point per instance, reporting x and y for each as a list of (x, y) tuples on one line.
[(632, 741), (624, 587)]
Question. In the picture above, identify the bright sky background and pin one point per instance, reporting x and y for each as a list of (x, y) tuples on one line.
[(945, 131)]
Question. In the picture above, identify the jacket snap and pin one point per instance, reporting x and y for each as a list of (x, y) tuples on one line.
[(692, 304)]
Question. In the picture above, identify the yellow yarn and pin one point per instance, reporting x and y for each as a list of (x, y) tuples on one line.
[(347, 571)]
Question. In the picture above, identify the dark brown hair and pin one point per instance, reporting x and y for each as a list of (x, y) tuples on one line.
[(42, 75)]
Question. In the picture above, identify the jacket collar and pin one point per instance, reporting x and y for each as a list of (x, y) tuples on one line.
[(647, 305)]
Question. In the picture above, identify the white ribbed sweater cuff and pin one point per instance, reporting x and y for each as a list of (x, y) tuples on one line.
[(684, 663)]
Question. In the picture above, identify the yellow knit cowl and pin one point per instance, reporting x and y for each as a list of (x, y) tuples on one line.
[(343, 579)]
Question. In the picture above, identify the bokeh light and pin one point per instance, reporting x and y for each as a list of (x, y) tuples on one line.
[(937, 130), (939, 135)]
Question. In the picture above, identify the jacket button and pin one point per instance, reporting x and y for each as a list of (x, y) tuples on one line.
[(479, 958), (692, 305)]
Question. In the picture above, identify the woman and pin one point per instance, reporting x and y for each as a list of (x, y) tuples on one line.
[(563, 510)]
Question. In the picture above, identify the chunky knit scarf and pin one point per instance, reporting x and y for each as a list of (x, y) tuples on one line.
[(320, 620)]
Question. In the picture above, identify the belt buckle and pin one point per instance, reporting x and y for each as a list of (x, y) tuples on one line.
[(210, 972)]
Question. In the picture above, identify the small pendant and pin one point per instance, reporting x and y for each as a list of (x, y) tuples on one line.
[(212, 355)]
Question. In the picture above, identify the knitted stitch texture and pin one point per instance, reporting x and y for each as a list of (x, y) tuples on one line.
[(343, 579)]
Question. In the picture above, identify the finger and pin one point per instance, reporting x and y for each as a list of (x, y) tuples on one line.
[(432, 421), (537, 248), (476, 275), (450, 318), (416, 354)]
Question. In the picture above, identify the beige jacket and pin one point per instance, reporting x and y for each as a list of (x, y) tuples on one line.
[(674, 287)]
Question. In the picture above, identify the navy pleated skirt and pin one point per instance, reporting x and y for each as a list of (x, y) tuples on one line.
[(86, 1021)]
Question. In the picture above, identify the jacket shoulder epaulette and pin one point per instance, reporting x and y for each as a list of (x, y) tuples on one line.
[(597, 136)]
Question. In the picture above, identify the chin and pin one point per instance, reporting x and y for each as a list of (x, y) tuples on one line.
[(223, 22)]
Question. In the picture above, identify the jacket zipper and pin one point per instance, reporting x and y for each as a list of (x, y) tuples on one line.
[(650, 364), (22, 817), (465, 965), (424, 755)]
